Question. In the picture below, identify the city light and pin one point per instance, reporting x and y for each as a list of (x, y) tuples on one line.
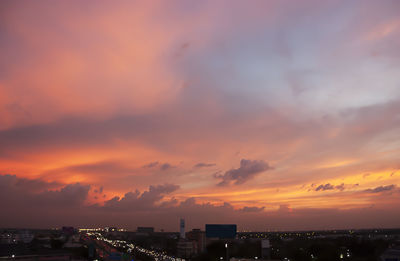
[(158, 256)]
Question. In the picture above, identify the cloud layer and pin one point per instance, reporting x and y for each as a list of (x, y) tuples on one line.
[(269, 111), (69, 205)]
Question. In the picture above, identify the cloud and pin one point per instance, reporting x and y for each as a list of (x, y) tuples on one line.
[(166, 166), (140, 201), (100, 190), (285, 208), (196, 108), (340, 187), (328, 186), (204, 165), (151, 164), (325, 187), (70, 195), (77, 132), (104, 167), (37, 193), (381, 189), (14, 183), (252, 209), (248, 169), (156, 207), (162, 167)]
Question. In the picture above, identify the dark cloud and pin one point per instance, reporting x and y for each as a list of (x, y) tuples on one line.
[(325, 187), (329, 186), (66, 205), (217, 174), (248, 169), (340, 187), (381, 189), (163, 167), (151, 164), (140, 201), (252, 209), (99, 190), (12, 182), (204, 165), (166, 166), (39, 194), (70, 195), (80, 132)]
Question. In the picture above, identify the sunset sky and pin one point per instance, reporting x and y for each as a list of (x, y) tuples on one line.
[(275, 115)]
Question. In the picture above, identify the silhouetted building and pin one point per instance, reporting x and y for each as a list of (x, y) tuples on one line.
[(145, 230), (186, 248), (265, 249), (221, 231), (199, 237), (68, 231), (182, 228)]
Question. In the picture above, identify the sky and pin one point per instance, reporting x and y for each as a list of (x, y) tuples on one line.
[(273, 115)]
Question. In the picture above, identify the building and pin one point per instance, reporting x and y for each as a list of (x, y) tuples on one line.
[(145, 230), (26, 236), (199, 237), (110, 229), (182, 228), (265, 249), (68, 230), (186, 248), (221, 231)]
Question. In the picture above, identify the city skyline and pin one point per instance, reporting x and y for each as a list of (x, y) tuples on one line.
[(273, 115)]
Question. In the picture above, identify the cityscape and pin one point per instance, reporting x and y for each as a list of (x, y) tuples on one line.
[(214, 242), (200, 130)]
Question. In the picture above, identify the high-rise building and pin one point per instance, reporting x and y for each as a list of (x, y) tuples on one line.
[(186, 248), (182, 228), (221, 231), (199, 237), (265, 249)]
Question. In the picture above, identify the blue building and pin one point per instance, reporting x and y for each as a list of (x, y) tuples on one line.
[(221, 231)]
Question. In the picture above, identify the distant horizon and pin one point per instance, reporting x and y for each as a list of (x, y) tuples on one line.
[(156, 230)]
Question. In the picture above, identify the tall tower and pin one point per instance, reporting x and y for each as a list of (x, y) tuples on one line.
[(182, 227)]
